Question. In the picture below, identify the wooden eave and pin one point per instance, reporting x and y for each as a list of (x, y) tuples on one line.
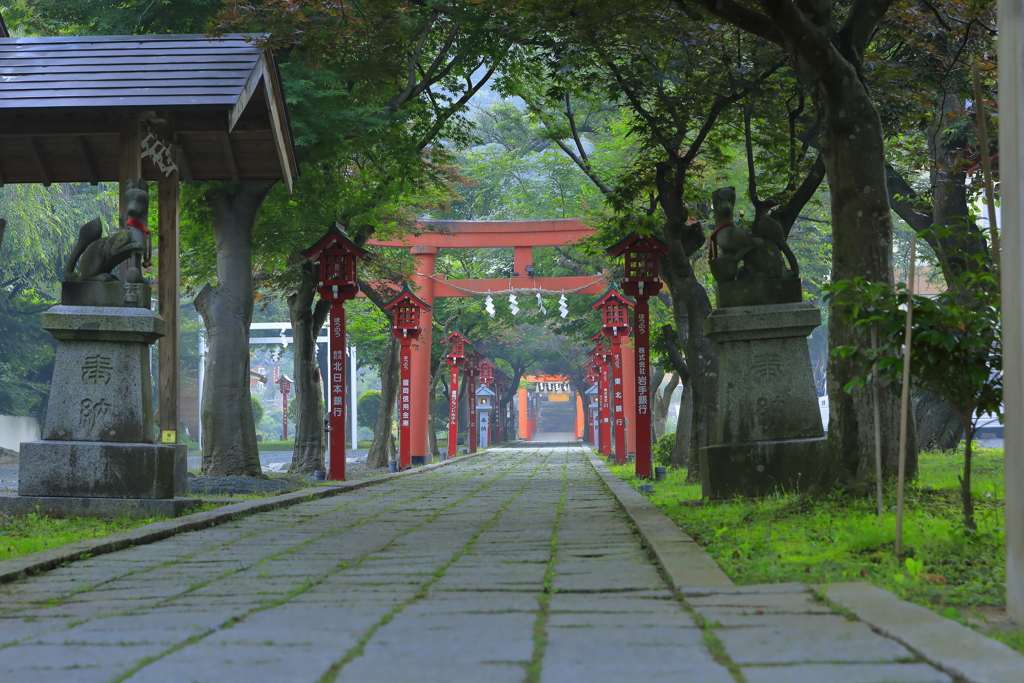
[(622, 245), (457, 335), (406, 293), (335, 235), (612, 293), (63, 102)]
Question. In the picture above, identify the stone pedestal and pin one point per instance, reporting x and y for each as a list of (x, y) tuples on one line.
[(769, 433), (98, 453)]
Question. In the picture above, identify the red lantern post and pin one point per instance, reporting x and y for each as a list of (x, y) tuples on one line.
[(602, 358), (472, 367), (285, 384), (593, 377), (456, 356), (338, 257), (641, 281), (615, 326), (406, 328)]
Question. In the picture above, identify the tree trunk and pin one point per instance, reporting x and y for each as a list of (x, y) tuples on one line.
[(307, 319), (661, 401), (853, 150), (229, 433), (965, 480), (680, 450), (383, 447), (938, 425)]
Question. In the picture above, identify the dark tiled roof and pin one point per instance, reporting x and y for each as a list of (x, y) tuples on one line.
[(158, 72)]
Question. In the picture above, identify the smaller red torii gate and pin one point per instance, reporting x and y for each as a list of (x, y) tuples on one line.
[(521, 237)]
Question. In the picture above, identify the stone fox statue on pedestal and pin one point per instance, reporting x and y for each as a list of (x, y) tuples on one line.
[(96, 256), (736, 254)]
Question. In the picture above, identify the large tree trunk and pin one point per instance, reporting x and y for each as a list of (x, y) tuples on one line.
[(854, 155), (383, 446), (229, 433), (307, 319)]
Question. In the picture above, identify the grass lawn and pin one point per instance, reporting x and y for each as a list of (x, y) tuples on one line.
[(24, 534), (840, 538)]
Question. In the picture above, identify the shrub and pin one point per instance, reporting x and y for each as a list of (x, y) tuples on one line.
[(662, 449)]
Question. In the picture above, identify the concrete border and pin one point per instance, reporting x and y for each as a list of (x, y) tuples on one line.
[(686, 564), (44, 560), (943, 643)]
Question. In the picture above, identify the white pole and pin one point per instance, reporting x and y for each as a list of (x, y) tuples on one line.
[(355, 398), (1011, 136), (199, 398)]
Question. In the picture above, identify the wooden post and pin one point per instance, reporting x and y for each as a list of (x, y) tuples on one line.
[(404, 407), (604, 403), (471, 398), (336, 451), (642, 430), (1011, 137), (521, 411), (130, 168), (168, 278), (453, 411), (905, 399), (617, 405)]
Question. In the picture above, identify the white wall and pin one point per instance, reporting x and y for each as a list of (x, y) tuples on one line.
[(14, 430)]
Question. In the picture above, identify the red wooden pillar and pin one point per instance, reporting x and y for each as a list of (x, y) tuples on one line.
[(419, 383), (338, 257), (453, 410), (405, 326), (285, 384), (604, 404), (336, 422), (455, 357), (641, 281), (619, 418)]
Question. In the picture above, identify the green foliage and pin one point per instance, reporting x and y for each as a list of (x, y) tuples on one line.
[(790, 537), (110, 17), (955, 347), (662, 449), (257, 409), (369, 406)]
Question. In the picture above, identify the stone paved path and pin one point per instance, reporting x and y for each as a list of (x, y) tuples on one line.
[(511, 567)]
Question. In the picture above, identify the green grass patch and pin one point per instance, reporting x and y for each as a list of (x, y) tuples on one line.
[(839, 537), (25, 534)]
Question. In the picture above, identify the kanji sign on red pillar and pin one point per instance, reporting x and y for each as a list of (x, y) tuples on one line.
[(455, 357), (641, 281), (602, 357), (614, 307), (337, 256), (406, 328), (285, 384), (472, 363)]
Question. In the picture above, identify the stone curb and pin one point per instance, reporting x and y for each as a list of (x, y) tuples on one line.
[(44, 560), (944, 643), (686, 563)]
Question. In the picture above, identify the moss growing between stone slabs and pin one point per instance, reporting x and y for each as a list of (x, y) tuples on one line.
[(836, 538)]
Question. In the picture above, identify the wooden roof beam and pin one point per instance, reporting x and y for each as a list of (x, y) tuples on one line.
[(37, 157), (90, 167), (184, 167), (278, 122), (229, 157)]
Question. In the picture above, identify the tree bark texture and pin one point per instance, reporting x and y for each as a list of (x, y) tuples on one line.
[(307, 319), (680, 450), (382, 447), (661, 401), (934, 429), (229, 433)]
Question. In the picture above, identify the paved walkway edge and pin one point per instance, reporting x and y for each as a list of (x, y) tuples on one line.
[(942, 642), (44, 560), (686, 564)]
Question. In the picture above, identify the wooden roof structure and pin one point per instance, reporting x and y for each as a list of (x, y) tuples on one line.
[(64, 100)]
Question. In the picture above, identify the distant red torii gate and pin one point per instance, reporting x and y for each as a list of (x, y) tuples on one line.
[(521, 237)]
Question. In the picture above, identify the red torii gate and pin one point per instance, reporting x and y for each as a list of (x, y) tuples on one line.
[(521, 237)]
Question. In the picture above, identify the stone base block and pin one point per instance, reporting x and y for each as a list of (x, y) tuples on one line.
[(98, 469), (418, 460), (64, 506), (758, 468)]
